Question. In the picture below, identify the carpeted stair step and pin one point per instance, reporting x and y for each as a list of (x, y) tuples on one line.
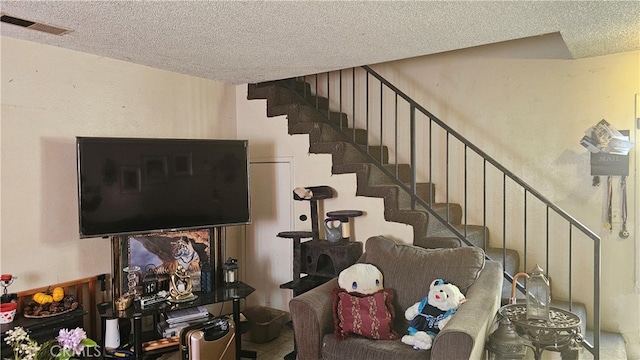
[(273, 93), (612, 346), (373, 182), (302, 113), (394, 196), (278, 98), (376, 176), (510, 264), (345, 153), (336, 118), (264, 89), (419, 220), (510, 260), (475, 234), (449, 212), (326, 133), (370, 177), (280, 93)]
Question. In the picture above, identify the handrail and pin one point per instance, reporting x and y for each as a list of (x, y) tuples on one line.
[(487, 157)]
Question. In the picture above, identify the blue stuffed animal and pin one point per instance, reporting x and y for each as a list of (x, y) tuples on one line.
[(430, 315)]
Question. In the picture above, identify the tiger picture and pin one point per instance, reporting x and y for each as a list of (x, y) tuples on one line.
[(183, 255)]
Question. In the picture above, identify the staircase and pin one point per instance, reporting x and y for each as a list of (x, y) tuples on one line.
[(401, 153)]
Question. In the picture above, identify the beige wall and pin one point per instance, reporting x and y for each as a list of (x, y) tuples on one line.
[(528, 113), (49, 96)]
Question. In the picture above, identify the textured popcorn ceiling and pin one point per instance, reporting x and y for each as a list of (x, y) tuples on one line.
[(251, 41)]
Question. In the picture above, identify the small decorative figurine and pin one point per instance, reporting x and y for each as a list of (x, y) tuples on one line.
[(5, 281), (181, 286), (230, 268)]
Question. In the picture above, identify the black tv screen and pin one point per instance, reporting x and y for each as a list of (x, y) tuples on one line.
[(139, 185)]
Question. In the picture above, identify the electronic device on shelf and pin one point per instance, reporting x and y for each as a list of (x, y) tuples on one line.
[(148, 300), (186, 315), (142, 185)]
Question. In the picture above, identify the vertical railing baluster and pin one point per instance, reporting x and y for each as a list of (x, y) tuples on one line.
[(340, 112), (304, 87), (525, 228), (366, 125), (484, 203), (353, 105), (431, 158), (570, 265), (597, 271), (504, 221), (547, 263), (447, 184), (466, 231), (316, 85), (412, 135), (395, 143), (526, 255), (328, 96), (381, 102)]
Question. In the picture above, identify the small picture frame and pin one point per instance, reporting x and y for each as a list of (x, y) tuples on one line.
[(182, 164), (130, 179), (156, 169)]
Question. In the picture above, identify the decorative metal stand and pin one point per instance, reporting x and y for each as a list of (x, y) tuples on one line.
[(561, 333)]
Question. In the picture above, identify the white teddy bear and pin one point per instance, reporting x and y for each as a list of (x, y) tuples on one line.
[(361, 278), (430, 315)]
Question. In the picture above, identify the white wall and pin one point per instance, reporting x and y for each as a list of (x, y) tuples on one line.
[(529, 113), (49, 96)]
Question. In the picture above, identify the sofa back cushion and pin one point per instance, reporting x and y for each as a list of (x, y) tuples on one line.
[(409, 270)]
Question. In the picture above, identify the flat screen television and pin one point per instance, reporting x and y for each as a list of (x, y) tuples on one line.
[(143, 185)]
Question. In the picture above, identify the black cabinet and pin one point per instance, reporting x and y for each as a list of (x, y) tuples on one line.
[(42, 329)]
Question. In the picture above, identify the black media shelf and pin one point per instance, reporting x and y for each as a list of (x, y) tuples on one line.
[(305, 284)]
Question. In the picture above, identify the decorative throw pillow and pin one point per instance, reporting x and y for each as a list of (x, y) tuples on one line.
[(370, 316)]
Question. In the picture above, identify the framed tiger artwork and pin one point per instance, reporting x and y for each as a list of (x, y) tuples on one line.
[(160, 254)]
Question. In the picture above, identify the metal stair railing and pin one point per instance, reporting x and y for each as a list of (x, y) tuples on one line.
[(436, 152)]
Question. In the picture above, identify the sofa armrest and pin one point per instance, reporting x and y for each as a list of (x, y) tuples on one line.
[(465, 334), (312, 316)]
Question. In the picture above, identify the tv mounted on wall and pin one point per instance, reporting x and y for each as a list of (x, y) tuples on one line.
[(142, 185)]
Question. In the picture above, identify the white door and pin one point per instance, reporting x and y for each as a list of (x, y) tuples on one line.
[(268, 258)]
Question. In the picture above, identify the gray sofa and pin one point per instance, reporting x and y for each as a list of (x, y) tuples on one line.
[(408, 270)]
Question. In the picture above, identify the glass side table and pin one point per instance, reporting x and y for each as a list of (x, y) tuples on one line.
[(561, 333)]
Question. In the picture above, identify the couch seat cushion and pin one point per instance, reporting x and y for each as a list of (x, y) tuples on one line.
[(362, 348)]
